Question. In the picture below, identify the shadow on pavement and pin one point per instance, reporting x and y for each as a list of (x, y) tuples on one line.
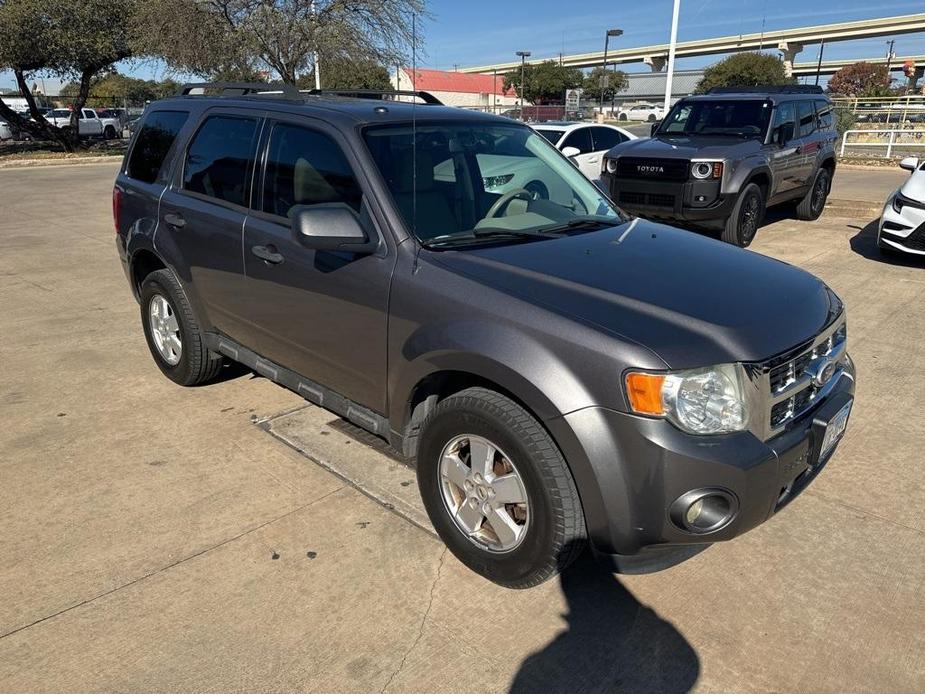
[(613, 643), (864, 243)]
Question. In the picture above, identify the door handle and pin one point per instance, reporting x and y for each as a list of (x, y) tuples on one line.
[(174, 220), (268, 254)]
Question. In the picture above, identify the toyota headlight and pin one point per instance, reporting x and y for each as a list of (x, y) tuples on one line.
[(705, 170), (610, 166), (698, 401)]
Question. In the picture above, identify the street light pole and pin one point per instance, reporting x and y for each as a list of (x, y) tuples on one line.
[(819, 63), (671, 51), (613, 94), (523, 59)]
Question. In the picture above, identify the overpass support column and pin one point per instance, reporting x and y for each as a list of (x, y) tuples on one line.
[(656, 62), (790, 50)]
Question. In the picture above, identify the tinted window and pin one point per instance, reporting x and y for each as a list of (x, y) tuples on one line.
[(605, 138), (306, 167), (551, 135), (218, 159), (825, 113), (807, 116), (153, 142), (746, 118), (581, 139), (785, 119)]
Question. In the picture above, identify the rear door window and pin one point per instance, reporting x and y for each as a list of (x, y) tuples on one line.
[(605, 138), (306, 167), (154, 141), (219, 159), (807, 117)]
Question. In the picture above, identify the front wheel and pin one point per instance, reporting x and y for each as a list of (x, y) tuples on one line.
[(109, 133), (651, 118), (746, 217), (497, 489), (623, 116), (813, 203)]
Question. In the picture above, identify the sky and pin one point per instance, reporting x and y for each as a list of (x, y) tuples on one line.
[(477, 32)]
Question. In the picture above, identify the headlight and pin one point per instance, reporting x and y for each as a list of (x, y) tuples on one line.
[(897, 203), (707, 169), (496, 181), (698, 401), (610, 166)]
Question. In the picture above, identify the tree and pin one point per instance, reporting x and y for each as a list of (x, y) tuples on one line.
[(209, 37), (861, 79), (546, 81), (114, 88), (613, 81), (349, 74), (744, 70), (72, 39)]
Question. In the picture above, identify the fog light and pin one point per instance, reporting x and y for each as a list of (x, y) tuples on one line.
[(703, 510)]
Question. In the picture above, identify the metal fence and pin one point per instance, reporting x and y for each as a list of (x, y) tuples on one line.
[(893, 139)]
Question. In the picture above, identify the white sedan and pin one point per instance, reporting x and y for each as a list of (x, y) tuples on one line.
[(902, 225), (642, 112), (584, 143)]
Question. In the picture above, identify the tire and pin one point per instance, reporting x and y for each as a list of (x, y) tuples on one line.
[(194, 362), (109, 133), (623, 117), (746, 217), (813, 203), (551, 524), (651, 118), (539, 190)]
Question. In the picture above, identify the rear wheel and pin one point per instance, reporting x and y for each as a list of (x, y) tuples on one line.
[(746, 217), (651, 118), (623, 116), (497, 489), (813, 203), (109, 133), (172, 332)]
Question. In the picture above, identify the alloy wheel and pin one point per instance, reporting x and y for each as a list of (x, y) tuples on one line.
[(483, 493), (165, 330)]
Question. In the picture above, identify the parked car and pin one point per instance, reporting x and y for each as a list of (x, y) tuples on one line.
[(558, 372), (118, 114), (89, 123), (584, 143), (720, 159), (902, 224), (7, 132), (641, 112)]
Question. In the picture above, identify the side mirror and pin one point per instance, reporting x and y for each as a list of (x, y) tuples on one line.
[(784, 133), (909, 163), (655, 126), (571, 151), (330, 227)]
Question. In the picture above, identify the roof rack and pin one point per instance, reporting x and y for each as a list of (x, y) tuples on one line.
[(384, 94), (780, 89), (280, 91)]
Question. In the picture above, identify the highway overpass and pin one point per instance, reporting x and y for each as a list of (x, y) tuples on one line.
[(789, 41), (830, 67)]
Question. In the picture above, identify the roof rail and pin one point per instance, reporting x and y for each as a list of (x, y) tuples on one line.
[(778, 89), (284, 91), (384, 94)]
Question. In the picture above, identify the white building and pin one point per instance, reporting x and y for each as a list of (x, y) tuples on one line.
[(457, 88)]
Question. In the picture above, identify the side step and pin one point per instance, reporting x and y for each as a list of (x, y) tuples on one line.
[(313, 392)]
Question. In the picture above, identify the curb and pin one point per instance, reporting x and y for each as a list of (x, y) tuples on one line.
[(74, 161)]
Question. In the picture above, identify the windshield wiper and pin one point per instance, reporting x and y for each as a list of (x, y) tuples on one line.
[(587, 223), (488, 232)]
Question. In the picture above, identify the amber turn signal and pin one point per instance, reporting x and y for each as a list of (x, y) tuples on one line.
[(644, 391)]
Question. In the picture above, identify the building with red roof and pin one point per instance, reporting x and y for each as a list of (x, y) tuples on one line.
[(458, 88)]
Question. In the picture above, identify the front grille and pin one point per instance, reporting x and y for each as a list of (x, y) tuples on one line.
[(914, 241), (653, 169), (629, 197), (791, 386)]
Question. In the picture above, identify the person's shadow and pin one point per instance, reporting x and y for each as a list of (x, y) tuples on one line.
[(613, 643)]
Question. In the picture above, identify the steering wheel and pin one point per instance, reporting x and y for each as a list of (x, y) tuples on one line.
[(506, 198)]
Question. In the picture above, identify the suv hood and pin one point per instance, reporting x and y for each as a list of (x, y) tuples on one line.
[(687, 147), (692, 300)]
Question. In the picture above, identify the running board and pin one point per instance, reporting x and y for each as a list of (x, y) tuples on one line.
[(315, 393)]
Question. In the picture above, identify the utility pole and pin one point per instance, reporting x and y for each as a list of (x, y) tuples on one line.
[(819, 63), (605, 81), (890, 55), (523, 59), (671, 52)]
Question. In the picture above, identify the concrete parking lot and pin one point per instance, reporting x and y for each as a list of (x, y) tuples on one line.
[(156, 538)]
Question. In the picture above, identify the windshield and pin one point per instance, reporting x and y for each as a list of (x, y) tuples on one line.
[(748, 118), (551, 135), (468, 180), (61, 113)]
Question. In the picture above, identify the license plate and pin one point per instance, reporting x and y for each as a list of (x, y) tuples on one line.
[(834, 430)]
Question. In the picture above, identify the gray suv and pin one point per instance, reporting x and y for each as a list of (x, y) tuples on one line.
[(719, 160), (557, 372)]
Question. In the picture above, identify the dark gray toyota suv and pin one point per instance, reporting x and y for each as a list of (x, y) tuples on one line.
[(557, 371)]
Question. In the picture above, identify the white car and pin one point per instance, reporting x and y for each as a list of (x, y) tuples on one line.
[(642, 112), (584, 143), (89, 123), (6, 131), (902, 225)]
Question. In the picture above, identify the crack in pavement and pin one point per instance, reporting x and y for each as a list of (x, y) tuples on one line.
[(420, 635), (151, 574)]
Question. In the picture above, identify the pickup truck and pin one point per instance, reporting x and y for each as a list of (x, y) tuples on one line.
[(89, 123)]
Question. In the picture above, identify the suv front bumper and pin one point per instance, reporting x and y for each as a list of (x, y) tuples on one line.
[(692, 201), (641, 466)]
